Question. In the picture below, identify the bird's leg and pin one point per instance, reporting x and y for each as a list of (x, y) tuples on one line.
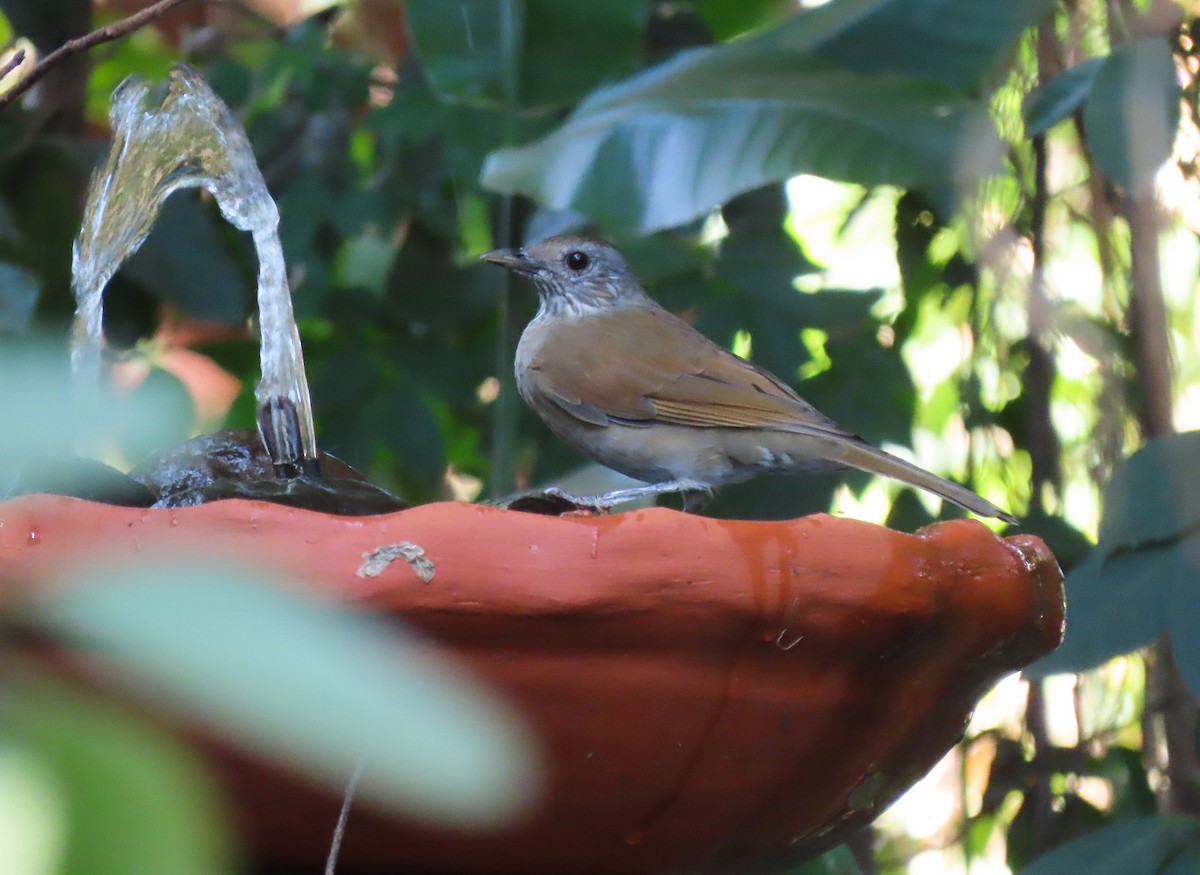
[(632, 493), (694, 500)]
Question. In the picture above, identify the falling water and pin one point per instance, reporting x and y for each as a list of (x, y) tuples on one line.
[(190, 140)]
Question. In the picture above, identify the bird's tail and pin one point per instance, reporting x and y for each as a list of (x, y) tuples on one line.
[(867, 458)]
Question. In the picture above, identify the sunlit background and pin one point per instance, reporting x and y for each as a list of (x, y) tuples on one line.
[(398, 206)]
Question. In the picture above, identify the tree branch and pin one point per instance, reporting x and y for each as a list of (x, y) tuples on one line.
[(105, 34)]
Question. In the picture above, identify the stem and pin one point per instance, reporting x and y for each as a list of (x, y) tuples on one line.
[(1043, 444), (1148, 318), (504, 420), (1039, 797), (105, 34)]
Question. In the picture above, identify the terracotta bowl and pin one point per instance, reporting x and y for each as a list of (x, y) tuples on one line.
[(706, 692)]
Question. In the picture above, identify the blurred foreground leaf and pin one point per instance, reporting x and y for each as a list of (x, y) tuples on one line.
[(45, 417), (306, 683), (132, 801)]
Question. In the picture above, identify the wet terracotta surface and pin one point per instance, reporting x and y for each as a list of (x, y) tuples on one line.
[(706, 692)]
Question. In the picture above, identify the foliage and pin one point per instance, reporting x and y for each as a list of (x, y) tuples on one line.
[(998, 147), (1141, 578)]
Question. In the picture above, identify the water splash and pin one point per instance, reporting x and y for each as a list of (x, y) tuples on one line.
[(189, 139)]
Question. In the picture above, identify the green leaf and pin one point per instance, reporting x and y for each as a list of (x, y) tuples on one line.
[(1155, 495), (945, 40), (1184, 611), (868, 390), (563, 49), (726, 20), (839, 861), (1055, 100), (184, 262), (44, 414), (19, 291), (1137, 846), (304, 682), (48, 23), (682, 138), (133, 801), (364, 262), (173, 409), (1076, 817), (1132, 112)]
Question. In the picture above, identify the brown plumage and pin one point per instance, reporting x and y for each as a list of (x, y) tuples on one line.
[(623, 381)]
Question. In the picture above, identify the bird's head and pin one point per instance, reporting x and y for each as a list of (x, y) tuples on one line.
[(574, 275)]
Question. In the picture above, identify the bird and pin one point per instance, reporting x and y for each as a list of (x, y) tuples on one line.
[(627, 383)]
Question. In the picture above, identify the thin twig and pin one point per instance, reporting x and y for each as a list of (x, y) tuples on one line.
[(17, 59), (105, 34)]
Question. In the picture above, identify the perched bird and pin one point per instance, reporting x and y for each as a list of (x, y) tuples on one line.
[(628, 384)]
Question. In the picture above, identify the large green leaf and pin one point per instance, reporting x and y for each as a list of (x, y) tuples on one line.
[(1136, 846), (1131, 113), (1184, 611), (555, 51), (1154, 496), (132, 801), (949, 41), (681, 139), (304, 682), (183, 261), (1143, 577)]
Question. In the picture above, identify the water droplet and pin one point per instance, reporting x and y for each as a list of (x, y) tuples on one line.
[(35, 537)]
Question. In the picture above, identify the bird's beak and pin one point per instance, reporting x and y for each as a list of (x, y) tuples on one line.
[(514, 259)]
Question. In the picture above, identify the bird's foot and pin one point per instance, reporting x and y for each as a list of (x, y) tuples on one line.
[(694, 500), (605, 502), (594, 503)]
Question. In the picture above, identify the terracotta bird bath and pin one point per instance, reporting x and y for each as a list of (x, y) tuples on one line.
[(706, 693)]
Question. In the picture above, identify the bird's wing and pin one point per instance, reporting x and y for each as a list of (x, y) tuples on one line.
[(640, 366)]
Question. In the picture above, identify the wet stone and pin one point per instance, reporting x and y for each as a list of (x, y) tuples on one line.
[(235, 464)]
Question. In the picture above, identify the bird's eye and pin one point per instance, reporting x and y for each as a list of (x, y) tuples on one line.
[(577, 260)]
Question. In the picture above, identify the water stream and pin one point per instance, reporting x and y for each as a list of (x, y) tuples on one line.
[(185, 137)]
